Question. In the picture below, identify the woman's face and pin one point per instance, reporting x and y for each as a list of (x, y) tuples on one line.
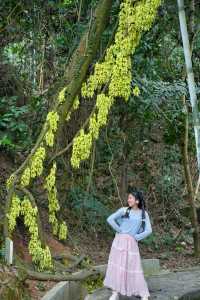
[(132, 201)]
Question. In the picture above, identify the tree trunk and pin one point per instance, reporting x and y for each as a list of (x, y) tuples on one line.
[(78, 276), (188, 178), (196, 121), (124, 181), (190, 77), (77, 70)]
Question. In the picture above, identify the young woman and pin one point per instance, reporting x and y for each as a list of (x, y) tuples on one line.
[(124, 274)]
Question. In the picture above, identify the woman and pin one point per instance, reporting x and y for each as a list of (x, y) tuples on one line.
[(124, 274)]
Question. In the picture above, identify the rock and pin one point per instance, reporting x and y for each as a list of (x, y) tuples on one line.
[(150, 266), (65, 290)]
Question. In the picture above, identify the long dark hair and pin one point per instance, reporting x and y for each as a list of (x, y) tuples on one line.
[(138, 194)]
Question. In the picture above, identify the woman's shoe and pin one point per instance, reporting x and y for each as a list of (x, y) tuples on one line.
[(145, 298), (115, 296)]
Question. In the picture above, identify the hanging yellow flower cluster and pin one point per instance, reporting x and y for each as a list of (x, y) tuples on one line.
[(54, 207), (14, 212), (114, 71), (42, 257), (10, 181), (82, 144), (35, 168), (136, 91), (61, 96), (37, 160), (62, 231), (52, 120), (81, 148)]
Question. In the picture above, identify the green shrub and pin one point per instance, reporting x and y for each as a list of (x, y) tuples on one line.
[(14, 131), (92, 213)]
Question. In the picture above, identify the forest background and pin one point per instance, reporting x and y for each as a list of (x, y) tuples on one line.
[(142, 144)]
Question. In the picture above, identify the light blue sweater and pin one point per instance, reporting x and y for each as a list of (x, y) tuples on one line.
[(132, 224)]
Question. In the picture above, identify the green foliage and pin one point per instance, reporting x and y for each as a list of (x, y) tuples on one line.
[(37, 111), (27, 26), (162, 100), (91, 284), (89, 208), (14, 52), (94, 282), (6, 143), (168, 239), (179, 248), (40, 285), (14, 132), (151, 241), (157, 241)]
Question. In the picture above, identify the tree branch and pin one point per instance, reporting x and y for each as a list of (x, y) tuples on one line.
[(78, 276)]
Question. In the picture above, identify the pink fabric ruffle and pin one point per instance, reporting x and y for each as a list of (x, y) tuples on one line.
[(124, 272)]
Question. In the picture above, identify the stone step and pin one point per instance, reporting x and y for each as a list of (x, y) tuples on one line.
[(166, 285)]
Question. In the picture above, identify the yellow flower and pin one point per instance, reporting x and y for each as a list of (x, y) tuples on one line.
[(114, 72), (136, 91)]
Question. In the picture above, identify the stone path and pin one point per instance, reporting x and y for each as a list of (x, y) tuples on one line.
[(168, 286)]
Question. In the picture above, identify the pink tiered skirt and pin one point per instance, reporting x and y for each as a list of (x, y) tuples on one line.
[(124, 272)]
